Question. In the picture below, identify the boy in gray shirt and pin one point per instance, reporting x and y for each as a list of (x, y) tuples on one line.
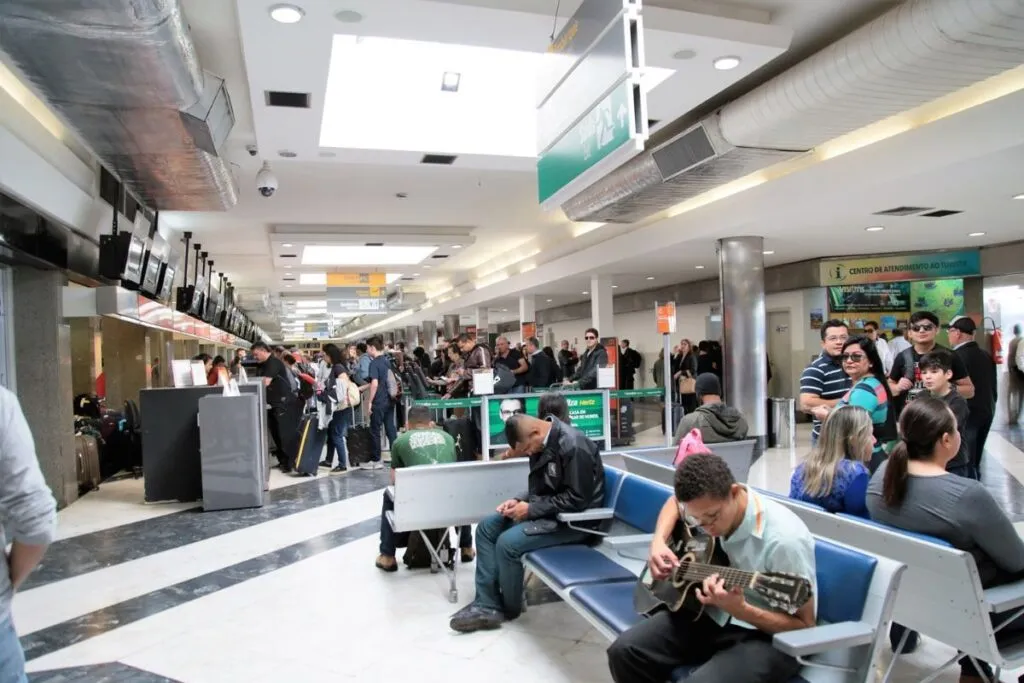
[(29, 515), (937, 376)]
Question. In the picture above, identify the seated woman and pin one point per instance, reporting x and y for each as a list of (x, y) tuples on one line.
[(835, 474), (913, 491), (870, 391)]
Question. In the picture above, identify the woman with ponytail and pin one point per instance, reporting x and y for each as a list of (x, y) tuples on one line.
[(913, 491)]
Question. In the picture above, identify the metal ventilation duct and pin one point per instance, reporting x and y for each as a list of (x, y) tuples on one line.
[(916, 53), (125, 75)]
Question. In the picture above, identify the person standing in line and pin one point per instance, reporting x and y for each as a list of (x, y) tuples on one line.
[(982, 371), (629, 362), (282, 415), (594, 357), (1015, 377), (382, 402), (882, 346), (824, 382), (30, 516)]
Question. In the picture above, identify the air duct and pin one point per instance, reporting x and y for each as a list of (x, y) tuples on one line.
[(125, 75), (914, 54)]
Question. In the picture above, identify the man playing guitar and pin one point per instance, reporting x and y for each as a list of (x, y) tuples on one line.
[(732, 640)]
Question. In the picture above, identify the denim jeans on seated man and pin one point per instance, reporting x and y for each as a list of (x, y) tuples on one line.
[(566, 476)]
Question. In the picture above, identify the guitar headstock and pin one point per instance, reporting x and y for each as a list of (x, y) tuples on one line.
[(783, 592)]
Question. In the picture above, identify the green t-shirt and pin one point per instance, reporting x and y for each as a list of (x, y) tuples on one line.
[(422, 447)]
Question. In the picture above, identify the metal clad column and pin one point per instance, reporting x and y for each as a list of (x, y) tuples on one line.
[(412, 334), (741, 286), (481, 324), (451, 326), (429, 334), (601, 313)]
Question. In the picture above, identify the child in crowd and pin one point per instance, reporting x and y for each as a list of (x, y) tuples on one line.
[(937, 376)]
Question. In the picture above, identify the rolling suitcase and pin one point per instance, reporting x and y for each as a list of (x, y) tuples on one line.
[(359, 443), (464, 433), (310, 448), (87, 455)]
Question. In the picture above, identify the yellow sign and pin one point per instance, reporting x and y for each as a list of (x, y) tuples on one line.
[(356, 280)]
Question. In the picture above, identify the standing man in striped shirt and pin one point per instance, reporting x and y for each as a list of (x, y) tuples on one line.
[(824, 381)]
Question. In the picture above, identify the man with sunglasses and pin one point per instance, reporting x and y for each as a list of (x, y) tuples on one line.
[(824, 382), (905, 376), (593, 358), (732, 641)]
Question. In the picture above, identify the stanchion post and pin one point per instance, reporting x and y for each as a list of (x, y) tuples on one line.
[(666, 373)]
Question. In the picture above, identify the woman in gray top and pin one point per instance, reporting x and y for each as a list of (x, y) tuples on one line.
[(913, 491)]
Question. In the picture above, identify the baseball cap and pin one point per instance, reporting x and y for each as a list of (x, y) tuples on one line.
[(962, 323)]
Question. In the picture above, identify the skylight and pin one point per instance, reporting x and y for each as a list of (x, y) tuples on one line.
[(401, 106), (353, 255)]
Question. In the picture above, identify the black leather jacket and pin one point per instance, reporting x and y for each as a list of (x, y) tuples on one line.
[(567, 476), (586, 375)]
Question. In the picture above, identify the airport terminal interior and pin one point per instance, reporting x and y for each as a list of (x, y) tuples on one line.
[(304, 303)]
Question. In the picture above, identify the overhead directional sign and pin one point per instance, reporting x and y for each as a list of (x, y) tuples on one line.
[(356, 279), (592, 115), (357, 300)]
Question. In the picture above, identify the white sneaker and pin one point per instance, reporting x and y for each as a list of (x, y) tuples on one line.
[(378, 465), (366, 465)]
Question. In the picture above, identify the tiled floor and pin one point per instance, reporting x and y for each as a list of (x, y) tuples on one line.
[(158, 594)]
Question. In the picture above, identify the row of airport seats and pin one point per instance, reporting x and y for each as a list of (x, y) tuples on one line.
[(856, 589)]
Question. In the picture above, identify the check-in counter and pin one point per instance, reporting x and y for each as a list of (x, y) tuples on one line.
[(171, 462)]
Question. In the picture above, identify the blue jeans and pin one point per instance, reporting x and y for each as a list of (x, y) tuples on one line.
[(388, 540), (500, 546), (383, 415), (336, 431), (12, 657)]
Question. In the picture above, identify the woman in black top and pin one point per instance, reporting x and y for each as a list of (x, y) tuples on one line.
[(343, 415)]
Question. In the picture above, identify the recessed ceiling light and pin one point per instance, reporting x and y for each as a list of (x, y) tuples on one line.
[(348, 16), (700, 267), (726, 63), (504, 310), (650, 277), (286, 267), (549, 300), (450, 81), (287, 245), (288, 286), (586, 293), (875, 228), (456, 246), (415, 274), (684, 54), (768, 252), (975, 234), (1018, 196), (615, 286), (428, 267), (286, 14)]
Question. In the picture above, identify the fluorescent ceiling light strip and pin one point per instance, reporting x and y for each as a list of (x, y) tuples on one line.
[(357, 255)]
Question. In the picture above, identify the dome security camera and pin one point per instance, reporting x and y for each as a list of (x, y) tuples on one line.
[(252, 150), (266, 181)]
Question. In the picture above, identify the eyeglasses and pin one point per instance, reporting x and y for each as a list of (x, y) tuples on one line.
[(589, 338), (836, 338), (853, 357), (922, 328)]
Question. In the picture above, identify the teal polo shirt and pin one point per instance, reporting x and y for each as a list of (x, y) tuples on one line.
[(771, 538)]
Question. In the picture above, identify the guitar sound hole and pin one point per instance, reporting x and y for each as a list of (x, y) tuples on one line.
[(678, 576)]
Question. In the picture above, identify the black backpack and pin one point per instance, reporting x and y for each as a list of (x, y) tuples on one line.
[(417, 555), (504, 380)]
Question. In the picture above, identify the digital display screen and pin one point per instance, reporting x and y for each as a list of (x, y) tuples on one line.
[(133, 264), (166, 283), (875, 297), (151, 277)]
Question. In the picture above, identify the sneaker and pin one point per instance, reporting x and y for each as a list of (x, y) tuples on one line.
[(467, 555), (386, 563), (377, 465), (339, 469), (366, 466), (475, 618), (324, 463)]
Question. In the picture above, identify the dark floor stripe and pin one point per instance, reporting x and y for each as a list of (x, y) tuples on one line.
[(65, 634), (101, 549), (114, 672)]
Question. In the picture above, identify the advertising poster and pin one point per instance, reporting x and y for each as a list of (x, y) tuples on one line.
[(944, 298), (870, 298), (587, 412)]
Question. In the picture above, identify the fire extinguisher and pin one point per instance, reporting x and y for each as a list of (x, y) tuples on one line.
[(995, 343)]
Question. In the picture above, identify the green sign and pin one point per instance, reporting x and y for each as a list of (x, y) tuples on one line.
[(653, 392), (603, 130), (934, 266), (444, 404), (587, 412)]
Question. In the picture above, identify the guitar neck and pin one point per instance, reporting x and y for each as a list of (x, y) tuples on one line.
[(731, 577)]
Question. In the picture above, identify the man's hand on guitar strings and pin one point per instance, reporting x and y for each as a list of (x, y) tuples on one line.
[(661, 560), (714, 593)]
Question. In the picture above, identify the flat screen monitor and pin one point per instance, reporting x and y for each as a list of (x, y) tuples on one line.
[(167, 274), (133, 263), (151, 274)]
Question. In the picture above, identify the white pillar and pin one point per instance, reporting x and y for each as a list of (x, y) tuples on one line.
[(481, 324), (601, 305), (527, 309)]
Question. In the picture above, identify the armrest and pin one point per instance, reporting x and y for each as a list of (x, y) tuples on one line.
[(390, 493), (812, 641), (628, 541), (1005, 598), (591, 515)]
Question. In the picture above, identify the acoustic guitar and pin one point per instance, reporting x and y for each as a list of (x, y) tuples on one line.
[(700, 556)]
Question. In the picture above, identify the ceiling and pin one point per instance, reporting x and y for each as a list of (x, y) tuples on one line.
[(488, 201)]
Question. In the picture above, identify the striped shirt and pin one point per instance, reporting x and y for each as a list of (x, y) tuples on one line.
[(824, 378)]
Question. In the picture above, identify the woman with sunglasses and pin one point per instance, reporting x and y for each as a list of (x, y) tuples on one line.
[(870, 391), (835, 474)]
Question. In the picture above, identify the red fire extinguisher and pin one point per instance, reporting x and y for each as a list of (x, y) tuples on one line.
[(995, 342)]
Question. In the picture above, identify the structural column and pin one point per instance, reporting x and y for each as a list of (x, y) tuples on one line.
[(528, 316), (429, 334), (412, 333), (86, 354), (601, 313), (126, 355), (744, 349), (451, 326), (42, 368), (481, 324)]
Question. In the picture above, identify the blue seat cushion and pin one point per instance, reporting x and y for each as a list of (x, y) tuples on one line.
[(612, 480), (612, 603), (639, 502), (683, 672), (844, 576), (573, 565)]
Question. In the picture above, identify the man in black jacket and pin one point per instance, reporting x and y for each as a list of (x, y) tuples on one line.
[(541, 372), (982, 371), (593, 358), (566, 475)]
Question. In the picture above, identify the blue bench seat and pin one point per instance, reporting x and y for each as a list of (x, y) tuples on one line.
[(576, 565), (612, 603)]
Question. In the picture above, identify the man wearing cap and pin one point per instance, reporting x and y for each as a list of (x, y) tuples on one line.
[(716, 421), (982, 371)]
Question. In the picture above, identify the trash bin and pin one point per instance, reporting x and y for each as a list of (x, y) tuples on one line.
[(781, 422)]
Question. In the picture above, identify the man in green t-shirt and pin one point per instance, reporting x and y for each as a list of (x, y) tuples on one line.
[(422, 444)]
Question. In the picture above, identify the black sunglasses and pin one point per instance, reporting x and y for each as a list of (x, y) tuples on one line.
[(855, 357), (922, 328), (590, 338)]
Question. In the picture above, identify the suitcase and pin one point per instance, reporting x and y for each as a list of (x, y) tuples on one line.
[(463, 431), (359, 443), (311, 445), (87, 456)]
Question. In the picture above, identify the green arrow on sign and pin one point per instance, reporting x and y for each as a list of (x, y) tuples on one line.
[(601, 131)]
